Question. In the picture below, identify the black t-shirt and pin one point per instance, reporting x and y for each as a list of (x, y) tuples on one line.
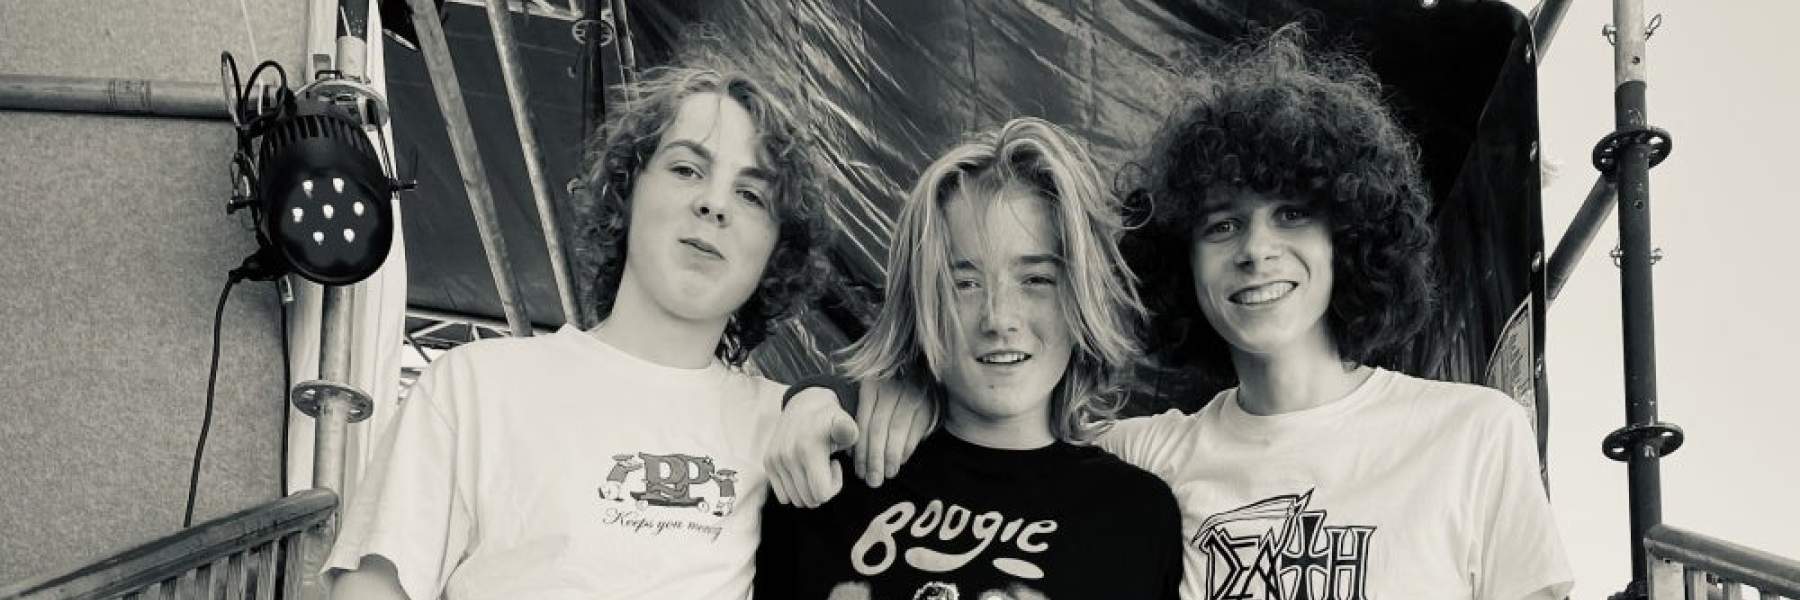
[(960, 521)]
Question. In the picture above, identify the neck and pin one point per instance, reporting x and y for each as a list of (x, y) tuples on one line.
[(1018, 432), (641, 328), (1294, 379)]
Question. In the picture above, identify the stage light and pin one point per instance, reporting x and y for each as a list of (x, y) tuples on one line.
[(310, 164)]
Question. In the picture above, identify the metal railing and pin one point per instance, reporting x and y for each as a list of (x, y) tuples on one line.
[(1689, 566), (265, 552)]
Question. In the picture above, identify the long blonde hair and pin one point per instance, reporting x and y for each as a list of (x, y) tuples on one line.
[(918, 327)]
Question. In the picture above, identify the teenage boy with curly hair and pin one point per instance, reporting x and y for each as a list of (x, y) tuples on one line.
[(1296, 200), (624, 461)]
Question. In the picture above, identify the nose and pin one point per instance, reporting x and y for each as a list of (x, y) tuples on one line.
[(1000, 310), (1261, 243), (709, 205)]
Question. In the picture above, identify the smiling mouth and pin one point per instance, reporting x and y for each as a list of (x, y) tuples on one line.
[(1005, 357), (703, 247), (1263, 294)]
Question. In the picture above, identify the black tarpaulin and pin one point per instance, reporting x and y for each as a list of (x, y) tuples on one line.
[(893, 82)]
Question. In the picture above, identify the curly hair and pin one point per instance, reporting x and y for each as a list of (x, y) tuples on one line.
[(915, 335), (1274, 117), (796, 271)]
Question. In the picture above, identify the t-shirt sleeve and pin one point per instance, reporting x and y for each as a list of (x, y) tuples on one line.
[(1148, 443), (407, 508), (847, 391), (1518, 551)]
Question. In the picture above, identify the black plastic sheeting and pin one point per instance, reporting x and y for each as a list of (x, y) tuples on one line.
[(447, 270), (894, 82)]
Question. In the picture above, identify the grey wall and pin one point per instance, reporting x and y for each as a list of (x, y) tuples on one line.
[(113, 248)]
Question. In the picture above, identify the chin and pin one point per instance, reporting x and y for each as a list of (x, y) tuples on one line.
[(692, 307)]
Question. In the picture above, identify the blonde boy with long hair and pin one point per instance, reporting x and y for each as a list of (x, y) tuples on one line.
[(1004, 300)]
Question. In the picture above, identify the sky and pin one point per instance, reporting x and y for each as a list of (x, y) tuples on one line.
[(1722, 81)]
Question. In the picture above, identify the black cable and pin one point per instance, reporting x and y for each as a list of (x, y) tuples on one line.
[(287, 387), (212, 378)]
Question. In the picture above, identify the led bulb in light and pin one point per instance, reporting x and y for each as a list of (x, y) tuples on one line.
[(349, 235), (299, 213), (318, 237), (329, 211)]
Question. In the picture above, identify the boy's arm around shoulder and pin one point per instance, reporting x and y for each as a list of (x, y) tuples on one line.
[(1154, 443)]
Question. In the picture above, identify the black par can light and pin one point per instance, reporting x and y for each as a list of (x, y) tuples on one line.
[(325, 200)]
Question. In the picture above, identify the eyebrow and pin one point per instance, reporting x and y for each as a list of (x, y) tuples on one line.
[(1029, 259), (1210, 206), (691, 146), (756, 170)]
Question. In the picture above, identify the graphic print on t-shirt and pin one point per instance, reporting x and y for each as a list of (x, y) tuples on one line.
[(653, 493), (1276, 549), (904, 531)]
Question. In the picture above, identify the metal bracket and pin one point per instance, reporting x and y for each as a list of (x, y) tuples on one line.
[(1618, 256), (1606, 152), (357, 97), (1611, 32), (308, 394), (1659, 437), (601, 29)]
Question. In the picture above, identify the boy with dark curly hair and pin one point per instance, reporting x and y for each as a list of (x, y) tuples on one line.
[(624, 461), (1297, 202)]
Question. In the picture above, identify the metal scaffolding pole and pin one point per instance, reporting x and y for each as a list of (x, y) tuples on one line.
[(1628, 153), (1545, 17), (627, 53), (517, 97), (113, 96), (1575, 241), (468, 161), (333, 404)]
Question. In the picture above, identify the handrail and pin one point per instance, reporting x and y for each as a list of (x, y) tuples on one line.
[(1689, 566), (251, 550)]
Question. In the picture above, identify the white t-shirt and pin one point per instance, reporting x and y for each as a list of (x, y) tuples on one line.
[(561, 467), (1406, 489)]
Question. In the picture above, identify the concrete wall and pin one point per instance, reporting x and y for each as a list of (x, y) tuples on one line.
[(116, 245)]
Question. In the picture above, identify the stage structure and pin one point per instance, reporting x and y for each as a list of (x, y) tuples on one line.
[(902, 79)]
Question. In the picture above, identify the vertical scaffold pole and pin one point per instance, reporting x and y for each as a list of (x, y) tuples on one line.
[(1627, 154)]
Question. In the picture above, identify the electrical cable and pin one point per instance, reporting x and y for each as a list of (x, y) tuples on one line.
[(287, 387), (212, 378)]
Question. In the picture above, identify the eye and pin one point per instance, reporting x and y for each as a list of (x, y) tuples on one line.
[(1040, 280), (967, 283), (1294, 214), (684, 171), (752, 197), (1220, 229)]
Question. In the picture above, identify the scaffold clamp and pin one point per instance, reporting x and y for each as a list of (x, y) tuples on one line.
[(1606, 153), (308, 394), (1660, 438)]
